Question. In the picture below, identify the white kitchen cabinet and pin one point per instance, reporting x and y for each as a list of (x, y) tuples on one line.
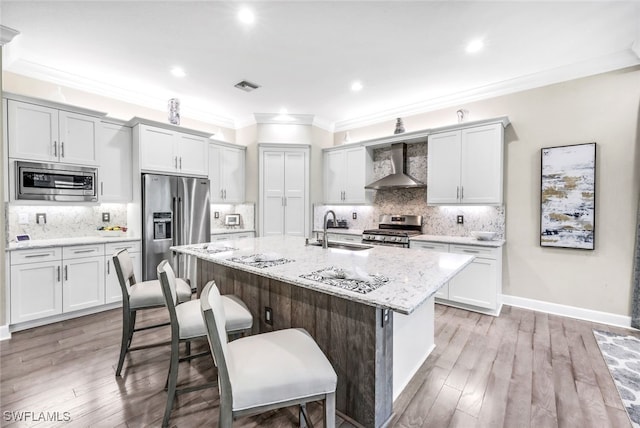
[(170, 151), (229, 236), (341, 237), (113, 293), (226, 173), (36, 284), (41, 133), (346, 172), (478, 287), (83, 277), (284, 191), (465, 166), (115, 163)]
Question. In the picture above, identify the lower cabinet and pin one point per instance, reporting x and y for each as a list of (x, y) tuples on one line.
[(233, 235), (59, 280), (343, 237), (113, 292), (478, 286)]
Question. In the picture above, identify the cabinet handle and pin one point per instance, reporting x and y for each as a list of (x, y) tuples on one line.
[(461, 192), (55, 149), (285, 201), (175, 162), (66, 273), (58, 269), (471, 251), (225, 194), (102, 188), (83, 251), (62, 148), (457, 192), (180, 162), (30, 256), (221, 194), (108, 269)]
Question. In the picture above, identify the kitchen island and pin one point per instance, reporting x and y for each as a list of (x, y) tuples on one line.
[(375, 340)]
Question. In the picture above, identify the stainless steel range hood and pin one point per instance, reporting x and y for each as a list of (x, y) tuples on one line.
[(398, 179)]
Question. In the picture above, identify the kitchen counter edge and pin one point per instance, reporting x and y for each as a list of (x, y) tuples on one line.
[(66, 242), (463, 240)]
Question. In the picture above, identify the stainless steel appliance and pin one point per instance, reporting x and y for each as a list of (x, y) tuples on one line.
[(394, 230), (175, 211), (56, 182)]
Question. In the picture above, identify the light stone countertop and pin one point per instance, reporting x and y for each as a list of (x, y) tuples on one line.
[(414, 275), (465, 240), (65, 242)]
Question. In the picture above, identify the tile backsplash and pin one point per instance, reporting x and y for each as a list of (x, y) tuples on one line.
[(63, 221)]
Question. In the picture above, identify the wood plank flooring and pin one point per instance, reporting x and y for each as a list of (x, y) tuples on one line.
[(522, 369)]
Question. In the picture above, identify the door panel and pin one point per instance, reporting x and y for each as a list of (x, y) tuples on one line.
[(83, 283)]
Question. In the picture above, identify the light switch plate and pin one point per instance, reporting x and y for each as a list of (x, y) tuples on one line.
[(106, 217), (41, 218)]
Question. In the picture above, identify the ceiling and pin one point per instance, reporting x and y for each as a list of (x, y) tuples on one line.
[(409, 56)]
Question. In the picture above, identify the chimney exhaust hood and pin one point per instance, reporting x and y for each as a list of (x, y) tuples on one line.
[(398, 179)]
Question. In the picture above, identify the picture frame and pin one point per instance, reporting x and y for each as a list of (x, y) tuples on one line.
[(232, 220), (568, 196)]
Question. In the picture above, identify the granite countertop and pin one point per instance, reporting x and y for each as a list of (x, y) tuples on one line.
[(414, 276), (229, 230), (64, 242), (465, 240)]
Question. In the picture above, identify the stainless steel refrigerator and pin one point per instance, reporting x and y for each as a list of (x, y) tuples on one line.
[(175, 211)]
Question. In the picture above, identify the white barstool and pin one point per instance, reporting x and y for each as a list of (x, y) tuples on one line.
[(266, 371)]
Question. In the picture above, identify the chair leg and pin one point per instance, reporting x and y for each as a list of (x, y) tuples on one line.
[(132, 327), (172, 381), (126, 339), (329, 404), (225, 416), (303, 416), (188, 347)]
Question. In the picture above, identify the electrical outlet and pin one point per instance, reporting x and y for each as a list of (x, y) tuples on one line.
[(41, 218), (216, 214), (268, 315), (460, 219), (354, 216), (106, 217)]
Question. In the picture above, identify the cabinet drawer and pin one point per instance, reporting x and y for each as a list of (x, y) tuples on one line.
[(131, 246), (436, 246), (478, 251), (35, 255), (80, 251), (344, 237)]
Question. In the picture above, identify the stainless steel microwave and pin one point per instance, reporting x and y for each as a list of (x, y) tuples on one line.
[(56, 182)]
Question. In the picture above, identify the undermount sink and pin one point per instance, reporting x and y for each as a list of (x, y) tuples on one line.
[(343, 246)]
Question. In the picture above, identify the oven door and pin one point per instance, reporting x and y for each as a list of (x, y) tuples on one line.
[(54, 182), (380, 242)]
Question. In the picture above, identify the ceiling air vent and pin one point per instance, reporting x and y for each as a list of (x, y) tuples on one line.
[(246, 86)]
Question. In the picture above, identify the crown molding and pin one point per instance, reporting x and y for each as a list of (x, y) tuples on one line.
[(7, 34), (291, 119), (58, 77), (619, 60)]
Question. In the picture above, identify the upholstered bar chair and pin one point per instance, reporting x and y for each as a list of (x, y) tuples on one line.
[(187, 324), (266, 371), (138, 296)]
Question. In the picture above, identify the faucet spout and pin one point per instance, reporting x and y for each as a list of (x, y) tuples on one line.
[(325, 240)]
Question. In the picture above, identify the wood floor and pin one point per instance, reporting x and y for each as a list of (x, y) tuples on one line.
[(522, 369)]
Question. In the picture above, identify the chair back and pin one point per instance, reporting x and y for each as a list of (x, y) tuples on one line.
[(124, 269), (215, 322), (168, 284)]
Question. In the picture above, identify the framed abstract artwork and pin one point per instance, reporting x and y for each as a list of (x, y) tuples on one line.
[(568, 196)]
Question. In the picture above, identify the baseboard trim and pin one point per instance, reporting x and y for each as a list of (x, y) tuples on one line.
[(5, 334), (568, 311)]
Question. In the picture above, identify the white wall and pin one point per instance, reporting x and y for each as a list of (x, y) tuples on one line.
[(604, 109)]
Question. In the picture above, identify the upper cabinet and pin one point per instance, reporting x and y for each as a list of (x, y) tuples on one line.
[(226, 173), (115, 163), (170, 151), (465, 166), (346, 172), (43, 133)]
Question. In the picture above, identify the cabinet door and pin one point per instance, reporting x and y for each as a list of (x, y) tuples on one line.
[(443, 168), (36, 291), (32, 131), (482, 164), (83, 283), (233, 170), (334, 176), (476, 284), (274, 191), (355, 175), (115, 163), (192, 155), (157, 149), (78, 138), (215, 173), (295, 197)]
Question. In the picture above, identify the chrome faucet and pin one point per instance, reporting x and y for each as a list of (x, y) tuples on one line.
[(325, 240)]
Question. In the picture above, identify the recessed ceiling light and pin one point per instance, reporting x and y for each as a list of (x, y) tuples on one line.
[(246, 86), (178, 72), (475, 46), (356, 86), (246, 16)]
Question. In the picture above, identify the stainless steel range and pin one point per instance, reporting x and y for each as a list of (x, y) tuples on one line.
[(394, 230)]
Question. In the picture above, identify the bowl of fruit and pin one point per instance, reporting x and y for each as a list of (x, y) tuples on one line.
[(112, 231)]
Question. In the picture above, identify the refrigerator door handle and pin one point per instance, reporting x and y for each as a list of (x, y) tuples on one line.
[(174, 226)]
